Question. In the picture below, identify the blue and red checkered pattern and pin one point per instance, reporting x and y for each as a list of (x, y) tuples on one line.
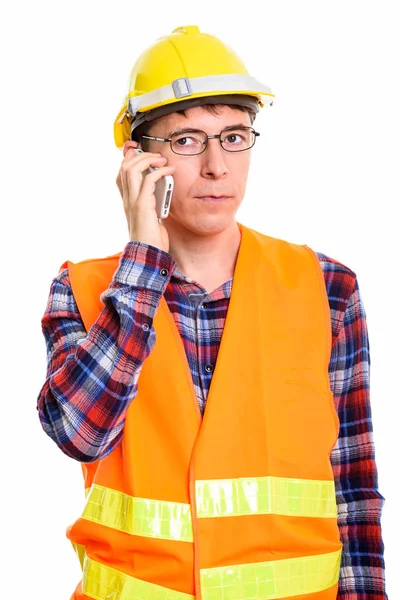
[(92, 378)]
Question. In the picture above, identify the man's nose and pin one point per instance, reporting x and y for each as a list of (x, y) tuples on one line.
[(214, 160)]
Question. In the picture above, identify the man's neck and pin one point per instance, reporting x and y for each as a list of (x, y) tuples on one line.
[(207, 257)]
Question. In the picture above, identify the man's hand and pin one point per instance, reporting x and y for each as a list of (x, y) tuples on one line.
[(138, 195)]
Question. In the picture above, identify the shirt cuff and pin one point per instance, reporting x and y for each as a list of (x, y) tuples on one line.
[(144, 266)]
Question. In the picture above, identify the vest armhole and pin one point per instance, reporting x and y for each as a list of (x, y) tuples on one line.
[(327, 308)]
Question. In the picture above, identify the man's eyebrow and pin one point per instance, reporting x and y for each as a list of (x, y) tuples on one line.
[(191, 129), (183, 130), (237, 126)]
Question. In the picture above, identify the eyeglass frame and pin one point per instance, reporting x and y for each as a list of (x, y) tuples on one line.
[(208, 137)]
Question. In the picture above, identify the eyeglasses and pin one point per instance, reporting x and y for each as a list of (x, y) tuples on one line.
[(194, 141)]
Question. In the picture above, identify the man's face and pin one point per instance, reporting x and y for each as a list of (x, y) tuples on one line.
[(214, 173)]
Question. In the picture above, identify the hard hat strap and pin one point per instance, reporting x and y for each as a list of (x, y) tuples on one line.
[(184, 87)]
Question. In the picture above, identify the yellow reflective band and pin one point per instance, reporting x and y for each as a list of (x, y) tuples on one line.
[(214, 498), (80, 551), (139, 516), (101, 582), (264, 495), (271, 580)]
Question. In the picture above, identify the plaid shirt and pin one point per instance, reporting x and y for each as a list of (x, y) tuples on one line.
[(92, 378)]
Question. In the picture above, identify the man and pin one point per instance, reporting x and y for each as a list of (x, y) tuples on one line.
[(226, 454)]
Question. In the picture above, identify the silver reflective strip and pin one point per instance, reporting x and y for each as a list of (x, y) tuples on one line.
[(212, 83)]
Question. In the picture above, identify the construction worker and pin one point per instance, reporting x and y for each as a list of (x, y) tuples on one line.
[(213, 381)]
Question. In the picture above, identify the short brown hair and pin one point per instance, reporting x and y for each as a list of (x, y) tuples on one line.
[(211, 108)]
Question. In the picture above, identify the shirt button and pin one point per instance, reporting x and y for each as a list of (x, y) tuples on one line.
[(164, 272), (204, 305), (209, 368), (145, 327)]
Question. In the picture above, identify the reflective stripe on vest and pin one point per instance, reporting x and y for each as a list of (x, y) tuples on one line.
[(100, 581), (139, 516), (265, 495), (263, 581), (214, 498), (271, 580)]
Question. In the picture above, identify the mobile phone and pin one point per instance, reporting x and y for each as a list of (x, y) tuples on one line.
[(163, 192)]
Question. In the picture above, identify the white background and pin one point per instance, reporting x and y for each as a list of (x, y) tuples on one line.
[(325, 172)]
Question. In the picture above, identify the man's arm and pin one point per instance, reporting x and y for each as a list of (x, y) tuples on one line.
[(362, 572), (92, 377)]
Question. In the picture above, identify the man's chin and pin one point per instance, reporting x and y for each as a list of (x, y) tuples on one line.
[(201, 224)]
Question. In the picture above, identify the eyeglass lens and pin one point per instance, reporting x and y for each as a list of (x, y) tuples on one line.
[(194, 142)]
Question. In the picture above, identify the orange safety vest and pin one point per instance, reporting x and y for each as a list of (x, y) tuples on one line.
[(238, 504)]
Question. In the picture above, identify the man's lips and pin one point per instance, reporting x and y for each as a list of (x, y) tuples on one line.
[(212, 198)]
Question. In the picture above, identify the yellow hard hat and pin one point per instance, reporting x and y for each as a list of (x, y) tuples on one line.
[(185, 65)]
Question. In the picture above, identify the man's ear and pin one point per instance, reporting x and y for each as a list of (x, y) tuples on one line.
[(130, 144)]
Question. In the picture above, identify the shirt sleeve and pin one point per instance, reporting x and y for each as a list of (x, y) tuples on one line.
[(362, 572), (92, 377)]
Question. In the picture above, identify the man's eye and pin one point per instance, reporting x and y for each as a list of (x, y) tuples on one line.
[(234, 138), (188, 139)]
